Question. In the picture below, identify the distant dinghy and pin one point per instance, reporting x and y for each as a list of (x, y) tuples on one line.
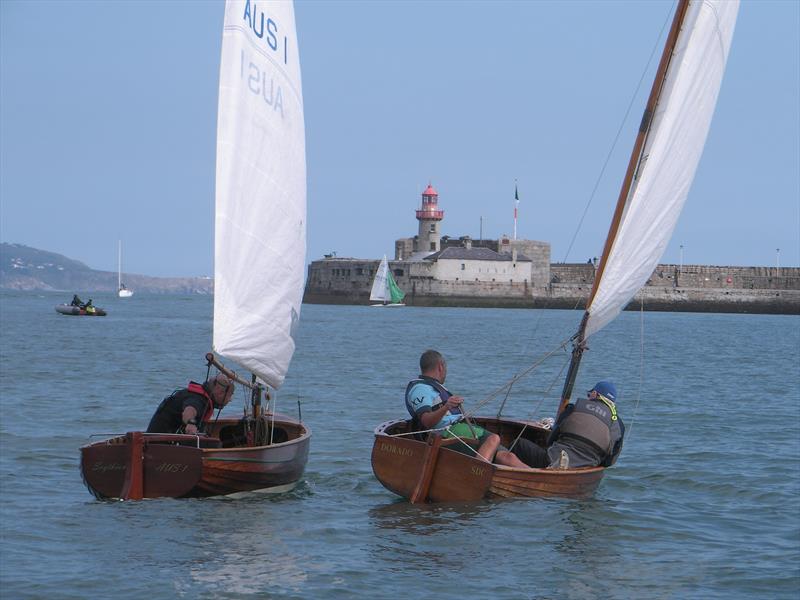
[(384, 288), (122, 291), (420, 466)]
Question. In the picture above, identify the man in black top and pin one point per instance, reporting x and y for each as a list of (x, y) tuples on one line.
[(190, 408)]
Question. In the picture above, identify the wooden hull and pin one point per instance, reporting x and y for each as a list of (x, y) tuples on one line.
[(75, 311), (425, 471), (140, 465)]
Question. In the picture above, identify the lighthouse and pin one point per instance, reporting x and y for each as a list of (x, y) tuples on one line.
[(429, 237)]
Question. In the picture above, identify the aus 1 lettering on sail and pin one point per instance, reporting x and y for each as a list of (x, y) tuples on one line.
[(261, 83), (264, 27)]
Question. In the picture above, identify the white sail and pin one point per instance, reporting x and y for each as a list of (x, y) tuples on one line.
[(122, 291), (260, 226), (380, 285), (671, 153)]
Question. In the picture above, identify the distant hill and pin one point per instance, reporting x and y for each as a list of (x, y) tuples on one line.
[(26, 268)]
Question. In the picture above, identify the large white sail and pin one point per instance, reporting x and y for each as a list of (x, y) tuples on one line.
[(260, 226), (380, 285), (669, 160)]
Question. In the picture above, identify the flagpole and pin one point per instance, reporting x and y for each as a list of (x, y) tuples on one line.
[(516, 206)]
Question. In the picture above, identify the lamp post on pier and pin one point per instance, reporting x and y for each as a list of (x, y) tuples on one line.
[(777, 259)]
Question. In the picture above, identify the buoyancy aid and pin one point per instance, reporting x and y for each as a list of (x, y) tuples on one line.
[(444, 394), (196, 388), (593, 422)]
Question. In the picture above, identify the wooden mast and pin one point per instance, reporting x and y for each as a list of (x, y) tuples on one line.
[(655, 93)]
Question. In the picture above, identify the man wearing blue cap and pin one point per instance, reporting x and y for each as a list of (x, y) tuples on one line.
[(588, 433)]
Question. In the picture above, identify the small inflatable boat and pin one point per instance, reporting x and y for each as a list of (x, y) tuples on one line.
[(77, 311)]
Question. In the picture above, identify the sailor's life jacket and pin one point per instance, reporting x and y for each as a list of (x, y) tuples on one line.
[(168, 417), (444, 394), (590, 431)]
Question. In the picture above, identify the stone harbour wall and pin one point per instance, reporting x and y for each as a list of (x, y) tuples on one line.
[(690, 288)]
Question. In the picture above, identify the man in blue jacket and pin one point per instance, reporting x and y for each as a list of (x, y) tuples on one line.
[(434, 407)]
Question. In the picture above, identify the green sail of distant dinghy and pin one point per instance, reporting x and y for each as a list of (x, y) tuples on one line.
[(395, 292)]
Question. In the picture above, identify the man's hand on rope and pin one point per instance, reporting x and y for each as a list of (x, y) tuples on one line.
[(454, 402)]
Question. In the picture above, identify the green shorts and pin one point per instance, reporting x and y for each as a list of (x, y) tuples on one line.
[(466, 432), (471, 437)]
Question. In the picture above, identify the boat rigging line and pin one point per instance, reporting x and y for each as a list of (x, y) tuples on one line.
[(492, 395), (629, 425)]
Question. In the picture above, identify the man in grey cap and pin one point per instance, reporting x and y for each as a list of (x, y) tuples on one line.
[(188, 410)]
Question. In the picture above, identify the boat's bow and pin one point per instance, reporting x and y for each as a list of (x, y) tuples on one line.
[(426, 470)]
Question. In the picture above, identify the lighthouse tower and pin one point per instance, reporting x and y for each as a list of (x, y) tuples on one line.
[(429, 215)]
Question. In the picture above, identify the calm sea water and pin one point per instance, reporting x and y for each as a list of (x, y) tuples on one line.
[(703, 503)]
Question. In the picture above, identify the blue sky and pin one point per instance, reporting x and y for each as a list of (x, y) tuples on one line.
[(108, 118)]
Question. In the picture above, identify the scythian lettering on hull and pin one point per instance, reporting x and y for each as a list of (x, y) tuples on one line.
[(392, 449), (103, 467)]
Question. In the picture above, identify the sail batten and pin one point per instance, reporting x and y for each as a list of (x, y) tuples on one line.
[(668, 161), (260, 226)]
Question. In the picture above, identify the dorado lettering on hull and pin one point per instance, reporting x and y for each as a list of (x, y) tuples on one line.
[(392, 449)]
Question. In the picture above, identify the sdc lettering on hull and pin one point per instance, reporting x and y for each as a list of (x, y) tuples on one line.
[(479, 471), (392, 449)]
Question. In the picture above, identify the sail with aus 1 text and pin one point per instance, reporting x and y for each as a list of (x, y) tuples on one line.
[(260, 244)]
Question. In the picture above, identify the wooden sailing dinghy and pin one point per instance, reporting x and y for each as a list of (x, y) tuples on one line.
[(261, 452), (260, 249), (660, 172)]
